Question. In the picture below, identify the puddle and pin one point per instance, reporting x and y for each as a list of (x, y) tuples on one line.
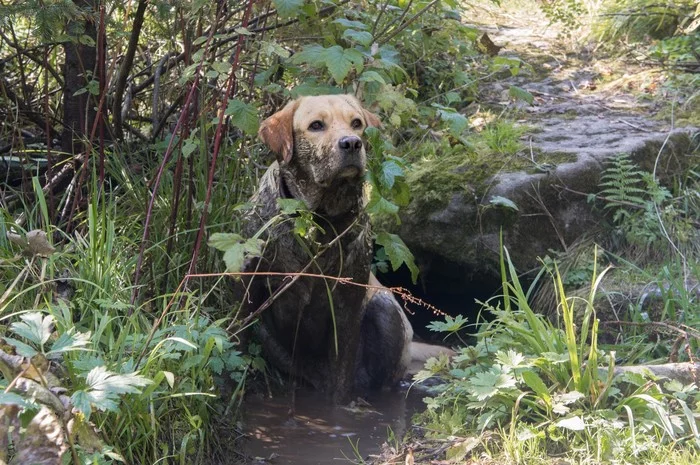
[(320, 434)]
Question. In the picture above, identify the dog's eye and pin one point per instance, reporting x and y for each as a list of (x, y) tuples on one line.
[(316, 126), (356, 123)]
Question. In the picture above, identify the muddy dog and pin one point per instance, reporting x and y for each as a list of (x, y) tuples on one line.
[(336, 337)]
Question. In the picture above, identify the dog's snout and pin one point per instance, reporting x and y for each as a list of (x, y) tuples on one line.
[(350, 144)]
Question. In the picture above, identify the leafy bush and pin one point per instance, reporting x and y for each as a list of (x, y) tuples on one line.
[(549, 388)]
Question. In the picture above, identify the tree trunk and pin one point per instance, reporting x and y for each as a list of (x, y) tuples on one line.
[(79, 111)]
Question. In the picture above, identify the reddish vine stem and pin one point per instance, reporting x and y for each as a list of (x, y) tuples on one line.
[(161, 169), (218, 137)]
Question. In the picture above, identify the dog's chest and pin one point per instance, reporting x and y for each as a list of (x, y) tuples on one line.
[(307, 309)]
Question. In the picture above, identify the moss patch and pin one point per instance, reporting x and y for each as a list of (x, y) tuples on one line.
[(439, 169)]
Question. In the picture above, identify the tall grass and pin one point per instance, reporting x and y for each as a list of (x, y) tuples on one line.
[(172, 336), (546, 387)]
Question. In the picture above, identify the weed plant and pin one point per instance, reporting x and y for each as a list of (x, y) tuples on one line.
[(547, 388)]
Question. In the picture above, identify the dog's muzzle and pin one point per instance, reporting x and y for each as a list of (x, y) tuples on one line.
[(352, 157)]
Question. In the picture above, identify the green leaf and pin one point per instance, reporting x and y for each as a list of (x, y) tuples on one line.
[(398, 253), (288, 8), (70, 340), (11, 398), (389, 171), (372, 76), (221, 67), (104, 388), (34, 327), (244, 116), (512, 359), (450, 325), (338, 64), (350, 23), (236, 249), (512, 64), (291, 206), (455, 121), (378, 205), (361, 37), (313, 55), (503, 202), (572, 423), (25, 350), (487, 384), (535, 383), (189, 146), (519, 93), (273, 48)]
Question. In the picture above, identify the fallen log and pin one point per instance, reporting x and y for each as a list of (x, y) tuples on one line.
[(686, 372)]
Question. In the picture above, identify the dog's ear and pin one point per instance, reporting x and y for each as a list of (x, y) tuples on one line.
[(277, 132), (372, 119)]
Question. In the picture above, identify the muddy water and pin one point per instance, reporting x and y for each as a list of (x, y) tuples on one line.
[(313, 433)]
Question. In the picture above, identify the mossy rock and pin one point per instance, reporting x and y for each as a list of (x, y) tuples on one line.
[(463, 203)]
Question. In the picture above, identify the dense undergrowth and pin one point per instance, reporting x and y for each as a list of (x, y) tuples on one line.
[(109, 336), (106, 327), (543, 380)]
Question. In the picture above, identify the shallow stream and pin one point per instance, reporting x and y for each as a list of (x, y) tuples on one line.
[(308, 431)]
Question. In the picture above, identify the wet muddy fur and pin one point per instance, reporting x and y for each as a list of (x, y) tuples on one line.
[(341, 339)]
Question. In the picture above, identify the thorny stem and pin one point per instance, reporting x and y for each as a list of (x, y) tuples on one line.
[(161, 169), (218, 137)]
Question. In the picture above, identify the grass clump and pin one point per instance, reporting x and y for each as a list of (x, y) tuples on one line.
[(143, 379), (531, 388)]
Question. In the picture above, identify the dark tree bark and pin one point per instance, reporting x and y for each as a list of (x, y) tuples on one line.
[(79, 111), (125, 68)]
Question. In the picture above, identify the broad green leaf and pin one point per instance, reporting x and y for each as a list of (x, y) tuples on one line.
[(104, 388), (389, 171), (519, 93), (487, 384), (221, 67), (34, 327), (11, 398), (313, 55), (572, 423), (378, 205), (69, 340), (350, 23), (398, 253), (338, 63), (236, 249), (535, 383), (455, 121), (512, 64), (511, 359), (288, 8), (561, 401), (450, 325), (361, 37), (189, 146), (291, 206), (244, 116), (372, 76), (25, 350), (503, 202), (273, 48)]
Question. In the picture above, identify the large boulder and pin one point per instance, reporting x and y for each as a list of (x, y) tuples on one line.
[(456, 235)]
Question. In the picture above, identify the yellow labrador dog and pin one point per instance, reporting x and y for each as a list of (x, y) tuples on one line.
[(339, 338)]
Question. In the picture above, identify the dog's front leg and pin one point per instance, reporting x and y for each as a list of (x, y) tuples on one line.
[(342, 364)]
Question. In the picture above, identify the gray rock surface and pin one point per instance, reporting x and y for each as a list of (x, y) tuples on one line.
[(459, 242)]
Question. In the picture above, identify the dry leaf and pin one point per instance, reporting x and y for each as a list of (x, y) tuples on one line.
[(38, 243)]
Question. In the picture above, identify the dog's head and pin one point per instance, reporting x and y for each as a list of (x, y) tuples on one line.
[(320, 137)]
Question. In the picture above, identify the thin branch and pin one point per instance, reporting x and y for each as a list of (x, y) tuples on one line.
[(125, 68)]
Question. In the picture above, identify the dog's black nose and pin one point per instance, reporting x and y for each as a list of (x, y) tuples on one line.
[(350, 144)]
